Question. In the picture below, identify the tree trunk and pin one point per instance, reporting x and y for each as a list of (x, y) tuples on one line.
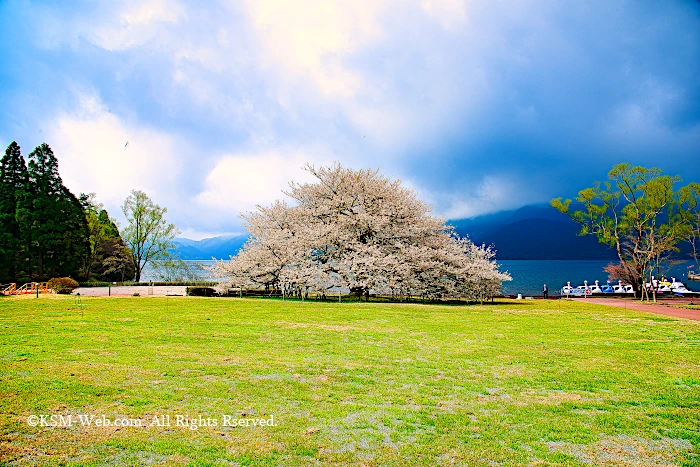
[(639, 288)]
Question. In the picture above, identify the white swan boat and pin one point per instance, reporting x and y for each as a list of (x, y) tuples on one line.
[(678, 287), (664, 286), (597, 289), (567, 289), (580, 291), (621, 288)]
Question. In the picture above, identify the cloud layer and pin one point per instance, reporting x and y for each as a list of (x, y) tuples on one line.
[(480, 106)]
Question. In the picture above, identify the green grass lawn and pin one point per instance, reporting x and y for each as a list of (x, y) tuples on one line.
[(511, 383)]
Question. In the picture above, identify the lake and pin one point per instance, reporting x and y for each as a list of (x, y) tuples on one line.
[(530, 275)]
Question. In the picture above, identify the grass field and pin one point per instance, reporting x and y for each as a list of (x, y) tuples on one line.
[(513, 383)]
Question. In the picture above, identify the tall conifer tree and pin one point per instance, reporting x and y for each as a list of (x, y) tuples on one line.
[(54, 221), (14, 181)]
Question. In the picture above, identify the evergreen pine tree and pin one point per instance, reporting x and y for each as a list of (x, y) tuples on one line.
[(54, 221), (14, 181), (76, 238)]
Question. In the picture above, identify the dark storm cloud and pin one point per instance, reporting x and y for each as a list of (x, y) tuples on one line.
[(480, 105)]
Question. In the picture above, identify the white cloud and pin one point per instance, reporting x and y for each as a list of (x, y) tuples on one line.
[(113, 26), (396, 84), (239, 182), (196, 234), (492, 193), (91, 146), (449, 13), (305, 55), (154, 11), (134, 24), (309, 40)]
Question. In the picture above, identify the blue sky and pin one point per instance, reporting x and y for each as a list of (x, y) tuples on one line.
[(479, 106)]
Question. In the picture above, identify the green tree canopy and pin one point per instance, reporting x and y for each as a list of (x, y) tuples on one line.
[(14, 180), (109, 258), (52, 220), (148, 234), (689, 213), (636, 212)]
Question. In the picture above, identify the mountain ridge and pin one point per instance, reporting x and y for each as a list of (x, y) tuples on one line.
[(220, 247), (532, 232), (535, 231)]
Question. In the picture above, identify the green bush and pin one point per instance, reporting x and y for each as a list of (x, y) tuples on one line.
[(62, 285), (92, 283), (201, 291)]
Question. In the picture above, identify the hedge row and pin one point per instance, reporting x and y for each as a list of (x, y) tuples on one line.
[(201, 292), (130, 284)]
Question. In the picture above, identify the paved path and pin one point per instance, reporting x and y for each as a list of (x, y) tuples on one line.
[(662, 307), (127, 291)]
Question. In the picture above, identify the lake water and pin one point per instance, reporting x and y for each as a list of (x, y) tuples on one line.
[(197, 266), (530, 275)]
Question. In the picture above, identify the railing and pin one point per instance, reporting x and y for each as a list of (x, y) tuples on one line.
[(33, 287), (8, 289)]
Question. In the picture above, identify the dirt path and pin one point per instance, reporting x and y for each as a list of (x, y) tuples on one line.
[(662, 307)]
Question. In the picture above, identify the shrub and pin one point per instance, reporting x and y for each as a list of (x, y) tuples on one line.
[(62, 285), (136, 294), (201, 291)]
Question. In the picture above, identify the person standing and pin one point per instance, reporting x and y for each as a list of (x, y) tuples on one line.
[(545, 292)]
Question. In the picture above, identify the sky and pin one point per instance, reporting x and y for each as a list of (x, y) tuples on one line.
[(479, 106)]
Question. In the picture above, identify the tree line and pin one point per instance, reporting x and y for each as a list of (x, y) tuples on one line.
[(46, 231), (644, 215)]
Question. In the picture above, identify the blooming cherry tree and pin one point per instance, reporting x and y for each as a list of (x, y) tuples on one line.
[(360, 231)]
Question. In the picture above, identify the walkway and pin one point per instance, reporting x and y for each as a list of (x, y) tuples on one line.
[(127, 291), (668, 307)]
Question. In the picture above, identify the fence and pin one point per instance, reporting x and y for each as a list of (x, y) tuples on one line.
[(28, 288)]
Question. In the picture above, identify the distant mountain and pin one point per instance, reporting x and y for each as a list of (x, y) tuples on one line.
[(216, 247), (532, 232)]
